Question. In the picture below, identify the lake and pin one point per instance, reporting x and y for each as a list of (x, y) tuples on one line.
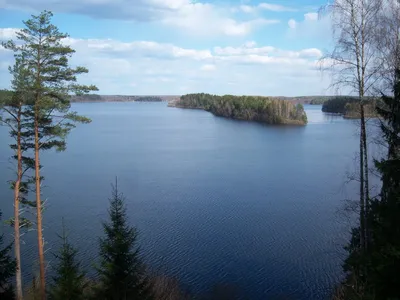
[(215, 200)]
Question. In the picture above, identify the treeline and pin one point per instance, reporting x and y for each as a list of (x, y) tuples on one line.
[(114, 98), (251, 108), (5, 94), (86, 98), (148, 99), (349, 106), (318, 101)]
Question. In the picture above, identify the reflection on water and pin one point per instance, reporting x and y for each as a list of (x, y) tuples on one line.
[(316, 116)]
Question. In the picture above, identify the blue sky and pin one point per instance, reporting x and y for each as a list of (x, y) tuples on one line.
[(183, 46)]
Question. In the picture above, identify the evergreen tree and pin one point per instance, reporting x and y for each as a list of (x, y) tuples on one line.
[(13, 114), (384, 257), (7, 271), (42, 49), (69, 281), (121, 272), (373, 274)]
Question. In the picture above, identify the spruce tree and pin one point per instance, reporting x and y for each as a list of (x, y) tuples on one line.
[(69, 281), (7, 270), (121, 272), (384, 257), (42, 49), (373, 274)]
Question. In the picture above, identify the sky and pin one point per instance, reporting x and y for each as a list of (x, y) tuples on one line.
[(174, 47)]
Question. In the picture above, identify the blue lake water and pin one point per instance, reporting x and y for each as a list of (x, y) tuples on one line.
[(215, 200)]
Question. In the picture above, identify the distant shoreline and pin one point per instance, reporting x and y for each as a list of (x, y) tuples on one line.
[(94, 98)]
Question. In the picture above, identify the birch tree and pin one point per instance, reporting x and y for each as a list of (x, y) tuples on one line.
[(355, 66)]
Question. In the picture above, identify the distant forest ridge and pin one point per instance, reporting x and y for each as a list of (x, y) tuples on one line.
[(316, 100), (121, 98), (152, 98)]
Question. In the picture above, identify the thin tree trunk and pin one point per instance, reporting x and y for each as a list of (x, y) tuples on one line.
[(366, 173), (17, 244), (362, 196), (39, 210)]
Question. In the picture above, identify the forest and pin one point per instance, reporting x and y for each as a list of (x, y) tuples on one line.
[(250, 108), (349, 108)]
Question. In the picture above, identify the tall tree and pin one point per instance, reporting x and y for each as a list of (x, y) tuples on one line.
[(121, 271), (7, 270), (41, 46), (353, 59), (384, 259), (69, 281), (14, 116)]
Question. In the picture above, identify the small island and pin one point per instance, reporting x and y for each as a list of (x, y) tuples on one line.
[(349, 107), (251, 108)]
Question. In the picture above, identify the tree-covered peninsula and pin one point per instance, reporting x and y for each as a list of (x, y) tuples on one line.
[(251, 108)]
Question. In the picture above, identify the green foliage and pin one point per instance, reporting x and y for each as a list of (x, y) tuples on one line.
[(148, 99), (69, 282), (338, 104), (121, 272), (349, 106), (318, 101), (86, 98), (7, 270), (260, 109), (49, 80), (376, 268), (15, 114)]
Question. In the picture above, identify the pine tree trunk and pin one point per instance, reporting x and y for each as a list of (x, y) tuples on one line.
[(362, 195), (39, 210), (17, 244)]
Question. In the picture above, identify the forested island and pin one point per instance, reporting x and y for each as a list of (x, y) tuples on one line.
[(250, 108), (349, 107)]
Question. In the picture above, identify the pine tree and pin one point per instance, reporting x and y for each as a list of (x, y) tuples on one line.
[(40, 46), (69, 281), (13, 114), (7, 270), (121, 272)]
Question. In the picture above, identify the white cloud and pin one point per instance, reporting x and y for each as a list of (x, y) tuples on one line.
[(207, 19), (275, 7), (312, 52), (311, 16), (247, 8), (246, 49), (310, 27), (148, 67), (186, 15), (7, 33), (263, 6), (208, 68), (144, 48), (292, 23)]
